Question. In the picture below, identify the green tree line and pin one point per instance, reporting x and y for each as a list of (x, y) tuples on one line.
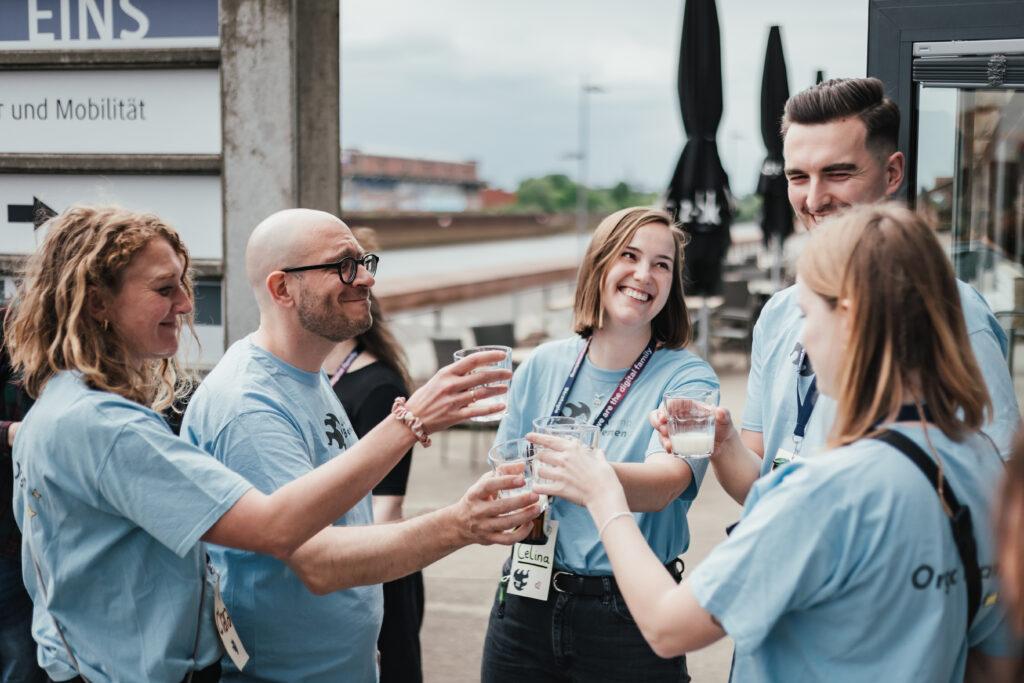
[(556, 193)]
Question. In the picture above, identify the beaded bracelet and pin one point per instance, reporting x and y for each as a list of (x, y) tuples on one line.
[(415, 425)]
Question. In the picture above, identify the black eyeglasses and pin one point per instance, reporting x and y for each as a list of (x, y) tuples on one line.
[(346, 267)]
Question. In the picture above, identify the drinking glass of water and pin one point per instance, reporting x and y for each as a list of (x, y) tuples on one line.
[(514, 457), (691, 421), (568, 428), (504, 364)]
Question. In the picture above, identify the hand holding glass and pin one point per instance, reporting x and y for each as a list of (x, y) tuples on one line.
[(691, 421), (515, 457), (568, 428), (505, 364)]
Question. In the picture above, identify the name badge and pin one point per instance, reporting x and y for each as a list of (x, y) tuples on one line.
[(226, 628), (530, 576), (782, 457)]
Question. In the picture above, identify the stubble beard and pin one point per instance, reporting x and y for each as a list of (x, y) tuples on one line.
[(321, 317)]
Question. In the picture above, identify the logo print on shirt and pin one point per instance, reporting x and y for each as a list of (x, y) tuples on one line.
[(333, 433), (520, 577), (577, 410)]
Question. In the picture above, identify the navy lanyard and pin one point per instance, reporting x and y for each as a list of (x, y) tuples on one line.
[(625, 384), (804, 408), (346, 364)]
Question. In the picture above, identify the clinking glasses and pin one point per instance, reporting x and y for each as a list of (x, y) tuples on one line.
[(346, 267)]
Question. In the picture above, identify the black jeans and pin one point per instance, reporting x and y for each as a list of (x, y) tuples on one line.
[(571, 638), (399, 639)]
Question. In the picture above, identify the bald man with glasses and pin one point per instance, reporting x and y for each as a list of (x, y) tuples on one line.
[(268, 412)]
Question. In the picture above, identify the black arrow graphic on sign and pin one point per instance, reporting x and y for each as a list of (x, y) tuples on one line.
[(35, 213)]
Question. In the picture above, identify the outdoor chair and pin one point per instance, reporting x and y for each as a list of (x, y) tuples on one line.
[(734, 319), (502, 334)]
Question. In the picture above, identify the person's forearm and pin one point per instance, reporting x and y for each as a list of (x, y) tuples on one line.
[(343, 557), (667, 614), (277, 524), (653, 484), (736, 467)]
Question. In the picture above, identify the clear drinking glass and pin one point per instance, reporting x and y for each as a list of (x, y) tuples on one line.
[(568, 428), (691, 421), (505, 364), (515, 457)]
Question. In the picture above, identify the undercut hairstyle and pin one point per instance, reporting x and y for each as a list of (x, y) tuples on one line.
[(49, 327), (671, 326), (908, 339), (841, 98)]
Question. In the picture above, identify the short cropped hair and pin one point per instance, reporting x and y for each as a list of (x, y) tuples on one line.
[(841, 98), (671, 326)]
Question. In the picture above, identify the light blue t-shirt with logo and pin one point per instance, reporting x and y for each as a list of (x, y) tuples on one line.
[(776, 384), (113, 505), (272, 423), (628, 437), (844, 568)]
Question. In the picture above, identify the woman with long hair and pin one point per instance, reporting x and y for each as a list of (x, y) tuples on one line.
[(845, 566), (368, 373), (632, 328), (111, 504)]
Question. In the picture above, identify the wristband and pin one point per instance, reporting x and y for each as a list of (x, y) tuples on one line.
[(600, 533), (415, 425)]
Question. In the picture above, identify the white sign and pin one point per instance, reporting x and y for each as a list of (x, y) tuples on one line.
[(110, 112), (91, 24), (189, 204)]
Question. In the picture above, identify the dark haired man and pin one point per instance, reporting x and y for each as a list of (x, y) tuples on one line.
[(840, 149)]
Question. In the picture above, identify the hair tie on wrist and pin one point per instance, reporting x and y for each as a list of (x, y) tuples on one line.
[(415, 425), (600, 534)]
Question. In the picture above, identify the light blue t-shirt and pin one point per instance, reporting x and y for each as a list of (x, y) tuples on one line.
[(272, 423), (844, 568), (774, 382), (628, 437), (113, 505)]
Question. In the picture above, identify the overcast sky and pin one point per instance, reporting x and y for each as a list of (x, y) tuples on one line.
[(498, 81)]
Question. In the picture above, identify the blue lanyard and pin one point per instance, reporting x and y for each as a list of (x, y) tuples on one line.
[(625, 384), (804, 408)]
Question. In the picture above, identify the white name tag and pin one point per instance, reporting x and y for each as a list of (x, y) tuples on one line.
[(226, 628), (530, 576), (782, 456)]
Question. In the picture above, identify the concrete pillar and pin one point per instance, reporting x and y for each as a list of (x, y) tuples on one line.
[(281, 130)]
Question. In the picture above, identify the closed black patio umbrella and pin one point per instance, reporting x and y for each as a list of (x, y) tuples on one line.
[(776, 213), (698, 195)]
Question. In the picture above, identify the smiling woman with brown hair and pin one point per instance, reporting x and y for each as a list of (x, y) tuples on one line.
[(632, 329)]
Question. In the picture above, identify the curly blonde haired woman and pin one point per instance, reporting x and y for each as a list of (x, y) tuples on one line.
[(111, 504)]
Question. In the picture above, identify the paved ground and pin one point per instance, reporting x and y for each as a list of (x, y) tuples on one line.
[(460, 588)]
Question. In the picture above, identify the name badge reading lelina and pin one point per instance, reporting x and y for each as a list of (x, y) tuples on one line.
[(530, 575), (225, 627)]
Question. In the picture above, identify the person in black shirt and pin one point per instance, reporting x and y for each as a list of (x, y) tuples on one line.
[(368, 373), (17, 649)]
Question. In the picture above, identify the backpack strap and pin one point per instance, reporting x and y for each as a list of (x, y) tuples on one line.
[(959, 517)]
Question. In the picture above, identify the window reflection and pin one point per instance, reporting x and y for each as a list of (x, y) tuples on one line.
[(970, 184)]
